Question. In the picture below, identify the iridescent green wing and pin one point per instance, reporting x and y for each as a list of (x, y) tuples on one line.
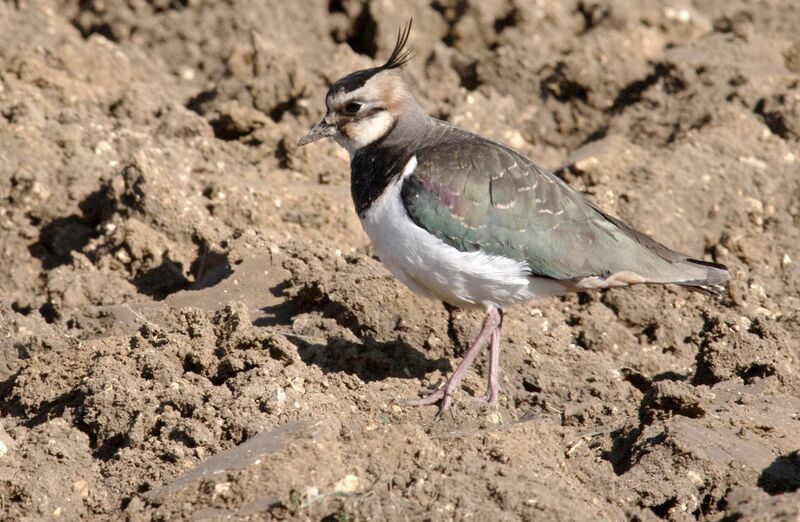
[(475, 194)]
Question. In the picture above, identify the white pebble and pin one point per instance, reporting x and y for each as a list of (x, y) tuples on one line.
[(349, 484), (103, 147)]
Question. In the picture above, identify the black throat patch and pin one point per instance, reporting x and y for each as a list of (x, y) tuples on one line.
[(372, 169)]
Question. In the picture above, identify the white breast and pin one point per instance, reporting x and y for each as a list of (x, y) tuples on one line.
[(432, 268)]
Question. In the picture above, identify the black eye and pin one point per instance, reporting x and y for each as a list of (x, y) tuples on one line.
[(352, 108)]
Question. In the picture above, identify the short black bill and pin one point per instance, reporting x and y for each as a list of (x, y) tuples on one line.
[(323, 129)]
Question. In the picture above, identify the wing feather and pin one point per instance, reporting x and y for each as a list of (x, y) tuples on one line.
[(475, 194)]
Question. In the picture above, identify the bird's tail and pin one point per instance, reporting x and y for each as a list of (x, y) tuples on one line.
[(712, 279)]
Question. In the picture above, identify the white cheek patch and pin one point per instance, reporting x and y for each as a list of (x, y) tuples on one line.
[(369, 129)]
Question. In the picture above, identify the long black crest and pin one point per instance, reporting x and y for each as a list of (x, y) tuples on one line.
[(400, 56)]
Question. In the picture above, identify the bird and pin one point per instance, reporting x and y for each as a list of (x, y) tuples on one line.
[(463, 219)]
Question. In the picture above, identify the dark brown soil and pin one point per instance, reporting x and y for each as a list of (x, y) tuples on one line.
[(194, 326)]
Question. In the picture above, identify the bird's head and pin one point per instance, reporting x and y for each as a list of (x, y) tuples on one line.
[(364, 106)]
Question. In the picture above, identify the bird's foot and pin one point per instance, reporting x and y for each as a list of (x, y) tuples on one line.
[(492, 391), (442, 394), (488, 397)]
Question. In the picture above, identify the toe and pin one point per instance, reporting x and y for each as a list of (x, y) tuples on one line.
[(488, 398), (431, 398)]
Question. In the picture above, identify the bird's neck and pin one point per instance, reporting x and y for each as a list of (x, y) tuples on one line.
[(411, 124), (408, 131), (375, 167)]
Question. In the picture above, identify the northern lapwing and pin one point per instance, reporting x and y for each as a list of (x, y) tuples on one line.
[(472, 222)]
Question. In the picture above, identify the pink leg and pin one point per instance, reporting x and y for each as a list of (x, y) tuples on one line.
[(493, 386), (491, 324)]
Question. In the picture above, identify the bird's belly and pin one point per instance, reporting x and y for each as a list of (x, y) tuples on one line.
[(434, 269)]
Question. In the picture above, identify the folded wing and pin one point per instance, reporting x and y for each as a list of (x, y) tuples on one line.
[(475, 194)]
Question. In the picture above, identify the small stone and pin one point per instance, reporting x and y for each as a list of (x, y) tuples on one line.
[(103, 147), (432, 340), (41, 190), (694, 477), (762, 311), (681, 15), (297, 384), (745, 322), (312, 492), (584, 165), (754, 205), (348, 484), (753, 162), (786, 261), (24, 331), (80, 486), (758, 291)]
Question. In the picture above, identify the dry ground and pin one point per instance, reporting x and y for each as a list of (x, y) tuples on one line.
[(193, 324)]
